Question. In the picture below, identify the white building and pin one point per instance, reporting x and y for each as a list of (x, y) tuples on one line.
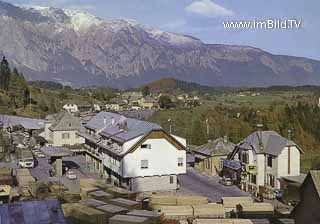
[(72, 108), (134, 154), (62, 129), (265, 157)]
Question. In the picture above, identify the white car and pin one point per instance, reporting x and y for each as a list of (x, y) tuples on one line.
[(40, 155), (71, 175)]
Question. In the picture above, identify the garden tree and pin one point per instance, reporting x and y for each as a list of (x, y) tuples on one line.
[(198, 133), (165, 102), (145, 91), (4, 74), (18, 89)]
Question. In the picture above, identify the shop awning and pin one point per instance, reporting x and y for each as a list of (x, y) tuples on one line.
[(232, 164)]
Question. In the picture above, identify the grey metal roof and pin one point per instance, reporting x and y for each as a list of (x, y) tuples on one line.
[(272, 142), (65, 121), (219, 146), (120, 128), (27, 123), (32, 212), (315, 175), (297, 179), (56, 151)]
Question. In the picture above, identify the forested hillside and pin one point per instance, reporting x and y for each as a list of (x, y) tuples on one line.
[(237, 123), (37, 99)]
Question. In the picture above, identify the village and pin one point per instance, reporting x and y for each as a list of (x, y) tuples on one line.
[(108, 164)]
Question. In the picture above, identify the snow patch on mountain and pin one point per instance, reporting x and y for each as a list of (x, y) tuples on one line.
[(172, 38), (82, 20)]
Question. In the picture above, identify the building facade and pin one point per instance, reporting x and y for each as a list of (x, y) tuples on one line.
[(265, 157), (208, 157), (62, 130), (134, 154)]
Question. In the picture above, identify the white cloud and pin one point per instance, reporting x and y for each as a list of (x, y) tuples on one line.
[(208, 8)]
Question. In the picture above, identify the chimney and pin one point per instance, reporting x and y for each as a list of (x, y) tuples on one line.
[(105, 121), (260, 127), (113, 121), (289, 134)]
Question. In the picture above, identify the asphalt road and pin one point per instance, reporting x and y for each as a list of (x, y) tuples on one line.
[(194, 183), (41, 172)]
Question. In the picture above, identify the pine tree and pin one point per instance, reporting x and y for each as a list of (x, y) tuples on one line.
[(4, 74)]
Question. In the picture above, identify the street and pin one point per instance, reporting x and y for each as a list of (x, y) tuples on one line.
[(194, 183), (41, 172)]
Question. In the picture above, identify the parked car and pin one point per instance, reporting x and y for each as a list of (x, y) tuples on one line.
[(226, 181), (71, 175), (40, 155)]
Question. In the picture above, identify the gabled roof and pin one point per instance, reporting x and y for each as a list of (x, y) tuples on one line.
[(272, 143), (120, 128), (27, 123), (219, 146), (65, 121), (36, 212), (315, 175)]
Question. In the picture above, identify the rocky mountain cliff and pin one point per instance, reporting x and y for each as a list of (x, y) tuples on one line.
[(77, 48)]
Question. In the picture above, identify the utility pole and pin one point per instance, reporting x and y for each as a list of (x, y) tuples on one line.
[(208, 126), (289, 151), (170, 126)]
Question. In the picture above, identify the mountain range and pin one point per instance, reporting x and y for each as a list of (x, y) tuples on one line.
[(79, 49)]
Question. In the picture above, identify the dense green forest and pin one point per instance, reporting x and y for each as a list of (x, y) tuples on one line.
[(200, 124), (37, 99)]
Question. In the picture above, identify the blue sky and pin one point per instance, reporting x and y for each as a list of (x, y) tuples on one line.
[(203, 19)]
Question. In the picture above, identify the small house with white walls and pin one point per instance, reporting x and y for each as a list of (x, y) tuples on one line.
[(260, 160), (72, 108), (62, 130), (134, 154)]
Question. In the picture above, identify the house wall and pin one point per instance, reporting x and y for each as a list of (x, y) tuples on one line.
[(294, 162), (307, 211), (211, 166), (162, 160), (279, 165), (73, 139), (154, 183)]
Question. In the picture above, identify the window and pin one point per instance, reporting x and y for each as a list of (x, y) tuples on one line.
[(144, 164), (180, 161), (253, 178), (271, 180), (269, 161), (146, 146), (171, 179), (65, 136), (245, 157), (207, 164)]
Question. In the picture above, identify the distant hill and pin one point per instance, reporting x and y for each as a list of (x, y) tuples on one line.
[(170, 85)]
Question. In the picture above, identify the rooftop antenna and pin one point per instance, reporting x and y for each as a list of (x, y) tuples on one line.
[(289, 134), (260, 127)]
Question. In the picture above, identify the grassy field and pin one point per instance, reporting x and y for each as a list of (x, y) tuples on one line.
[(263, 100)]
